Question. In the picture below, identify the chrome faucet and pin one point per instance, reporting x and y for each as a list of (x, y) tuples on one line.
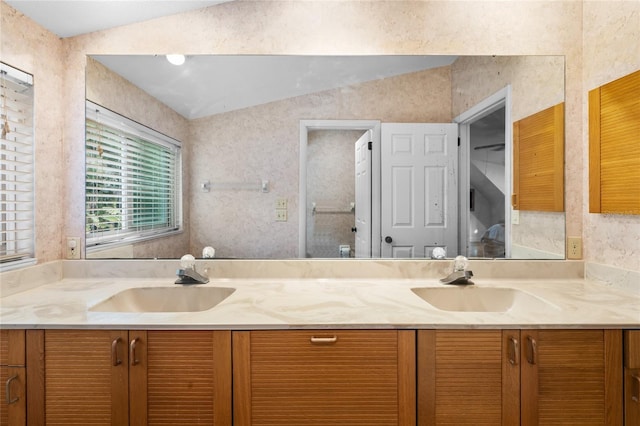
[(187, 273), (460, 274), (190, 276)]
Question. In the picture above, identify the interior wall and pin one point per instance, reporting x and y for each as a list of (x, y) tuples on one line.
[(27, 46), (543, 27), (262, 142), (611, 50), (108, 89)]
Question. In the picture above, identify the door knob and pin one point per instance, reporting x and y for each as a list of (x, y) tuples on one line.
[(388, 239)]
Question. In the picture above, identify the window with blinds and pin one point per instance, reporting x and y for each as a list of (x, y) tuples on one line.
[(132, 180), (16, 168)]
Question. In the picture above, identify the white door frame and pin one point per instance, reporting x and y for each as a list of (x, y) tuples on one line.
[(374, 126), (485, 107)]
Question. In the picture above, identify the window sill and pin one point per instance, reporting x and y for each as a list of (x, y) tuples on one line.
[(127, 241)]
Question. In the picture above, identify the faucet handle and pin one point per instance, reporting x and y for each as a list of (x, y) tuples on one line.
[(187, 262), (460, 263), (208, 252)]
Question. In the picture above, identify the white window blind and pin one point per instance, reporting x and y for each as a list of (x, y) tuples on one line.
[(16, 167), (132, 180)]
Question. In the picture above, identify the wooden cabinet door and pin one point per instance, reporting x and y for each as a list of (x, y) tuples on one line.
[(468, 377), (324, 377), (12, 378), (632, 377), (571, 377), (180, 377), (631, 397), (85, 377)]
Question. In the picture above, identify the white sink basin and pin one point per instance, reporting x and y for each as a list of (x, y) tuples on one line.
[(164, 299), (480, 299)]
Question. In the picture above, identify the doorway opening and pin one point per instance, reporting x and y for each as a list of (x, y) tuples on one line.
[(485, 177), (310, 208)]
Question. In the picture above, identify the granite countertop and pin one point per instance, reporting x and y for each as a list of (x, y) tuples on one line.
[(282, 303)]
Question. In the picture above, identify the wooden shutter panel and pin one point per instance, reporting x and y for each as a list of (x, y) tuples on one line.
[(183, 378), (573, 378), (466, 379), (82, 386), (538, 161), (363, 378), (614, 147)]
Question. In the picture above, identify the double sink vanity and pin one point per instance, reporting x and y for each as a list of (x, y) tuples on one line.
[(466, 298), (318, 342)]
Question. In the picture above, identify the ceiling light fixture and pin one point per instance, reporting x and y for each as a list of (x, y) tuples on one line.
[(176, 59)]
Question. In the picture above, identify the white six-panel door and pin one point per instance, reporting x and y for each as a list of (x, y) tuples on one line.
[(419, 189)]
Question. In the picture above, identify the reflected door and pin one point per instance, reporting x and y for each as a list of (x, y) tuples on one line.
[(419, 189), (363, 195)]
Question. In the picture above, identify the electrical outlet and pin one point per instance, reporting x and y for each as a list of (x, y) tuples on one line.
[(281, 215), (281, 203), (574, 248), (73, 248)]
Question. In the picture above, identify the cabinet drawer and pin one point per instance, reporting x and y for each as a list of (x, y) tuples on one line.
[(338, 345), (632, 348), (324, 377)]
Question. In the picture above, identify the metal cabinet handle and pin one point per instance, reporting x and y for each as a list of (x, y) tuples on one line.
[(132, 351), (8, 390), (115, 359), (635, 388), (323, 340), (532, 350), (514, 352)]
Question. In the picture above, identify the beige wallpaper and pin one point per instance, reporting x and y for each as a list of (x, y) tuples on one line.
[(340, 27), (262, 142), (117, 94), (537, 82), (611, 50), (31, 48)]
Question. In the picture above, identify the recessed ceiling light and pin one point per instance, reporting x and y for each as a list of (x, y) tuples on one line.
[(176, 59)]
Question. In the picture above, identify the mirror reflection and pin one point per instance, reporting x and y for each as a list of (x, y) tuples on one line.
[(269, 152)]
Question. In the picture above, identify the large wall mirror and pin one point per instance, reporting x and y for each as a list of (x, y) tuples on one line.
[(270, 149)]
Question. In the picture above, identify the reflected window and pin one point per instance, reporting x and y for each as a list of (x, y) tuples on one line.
[(132, 184)]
